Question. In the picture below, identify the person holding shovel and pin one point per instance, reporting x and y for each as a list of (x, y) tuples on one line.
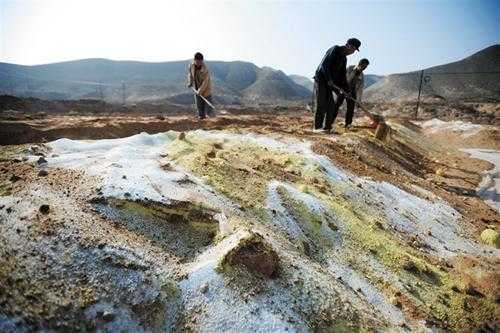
[(355, 81), (331, 77), (200, 81)]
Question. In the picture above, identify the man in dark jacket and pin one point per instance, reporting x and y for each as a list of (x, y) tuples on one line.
[(331, 73)]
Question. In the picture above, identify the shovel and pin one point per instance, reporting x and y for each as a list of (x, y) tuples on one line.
[(203, 98), (378, 122), (376, 119)]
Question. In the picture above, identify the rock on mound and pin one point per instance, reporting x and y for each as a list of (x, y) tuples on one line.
[(253, 253)]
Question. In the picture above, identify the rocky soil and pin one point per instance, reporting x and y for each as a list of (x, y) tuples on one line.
[(245, 222)]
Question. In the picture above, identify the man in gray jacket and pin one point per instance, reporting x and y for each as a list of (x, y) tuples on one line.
[(355, 81), (200, 80)]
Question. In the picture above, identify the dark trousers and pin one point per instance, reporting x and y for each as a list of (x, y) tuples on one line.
[(350, 107), (203, 108), (324, 106)]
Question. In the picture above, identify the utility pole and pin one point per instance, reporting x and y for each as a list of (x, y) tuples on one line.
[(123, 93), (11, 90), (27, 87), (419, 92), (101, 94)]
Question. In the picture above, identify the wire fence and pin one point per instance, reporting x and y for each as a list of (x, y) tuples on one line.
[(25, 85), (489, 86), (30, 86)]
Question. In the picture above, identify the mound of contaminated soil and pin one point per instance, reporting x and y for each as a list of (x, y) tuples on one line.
[(478, 113), (247, 223), (462, 134)]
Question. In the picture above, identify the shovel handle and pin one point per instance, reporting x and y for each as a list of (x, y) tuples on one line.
[(206, 101), (372, 118)]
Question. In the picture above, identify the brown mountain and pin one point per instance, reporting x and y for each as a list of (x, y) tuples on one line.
[(475, 78), (235, 82)]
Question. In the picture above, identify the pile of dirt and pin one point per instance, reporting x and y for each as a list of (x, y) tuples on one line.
[(461, 134), (107, 126), (478, 113), (15, 107), (248, 221)]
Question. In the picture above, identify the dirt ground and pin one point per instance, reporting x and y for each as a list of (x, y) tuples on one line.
[(424, 165), (453, 176)]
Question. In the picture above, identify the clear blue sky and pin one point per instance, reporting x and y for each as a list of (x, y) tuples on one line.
[(397, 36)]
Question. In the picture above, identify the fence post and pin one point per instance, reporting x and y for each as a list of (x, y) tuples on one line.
[(123, 93), (419, 91)]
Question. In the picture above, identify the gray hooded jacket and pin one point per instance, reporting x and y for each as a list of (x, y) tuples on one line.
[(356, 81)]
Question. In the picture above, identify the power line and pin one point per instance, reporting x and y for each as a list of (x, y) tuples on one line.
[(123, 93), (19, 76), (461, 73), (101, 93), (426, 80), (447, 73)]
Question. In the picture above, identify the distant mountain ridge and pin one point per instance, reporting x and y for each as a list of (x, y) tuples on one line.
[(235, 82), (479, 80), (239, 82), (303, 81), (309, 83), (371, 79)]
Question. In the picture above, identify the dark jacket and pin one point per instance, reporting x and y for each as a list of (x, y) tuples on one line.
[(333, 68)]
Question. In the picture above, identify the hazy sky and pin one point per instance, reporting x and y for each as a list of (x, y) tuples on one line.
[(397, 36)]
